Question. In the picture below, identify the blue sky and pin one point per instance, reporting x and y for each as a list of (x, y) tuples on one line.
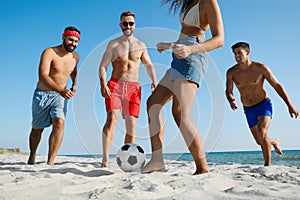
[(28, 27)]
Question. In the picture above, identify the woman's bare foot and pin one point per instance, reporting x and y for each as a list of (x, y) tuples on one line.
[(152, 166), (50, 162)]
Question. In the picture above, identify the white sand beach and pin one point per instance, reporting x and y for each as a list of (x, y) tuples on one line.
[(82, 178)]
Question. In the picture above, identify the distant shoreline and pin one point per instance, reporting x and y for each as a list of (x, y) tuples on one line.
[(12, 151)]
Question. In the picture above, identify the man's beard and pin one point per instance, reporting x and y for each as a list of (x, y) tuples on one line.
[(127, 32), (69, 48)]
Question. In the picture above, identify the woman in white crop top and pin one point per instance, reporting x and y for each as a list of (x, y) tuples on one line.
[(188, 67)]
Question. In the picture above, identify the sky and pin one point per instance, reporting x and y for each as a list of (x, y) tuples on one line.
[(28, 27)]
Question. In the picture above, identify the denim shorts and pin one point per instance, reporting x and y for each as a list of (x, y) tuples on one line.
[(192, 68), (263, 108), (45, 106)]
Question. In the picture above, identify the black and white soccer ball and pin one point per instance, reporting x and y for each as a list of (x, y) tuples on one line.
[(131, 158)]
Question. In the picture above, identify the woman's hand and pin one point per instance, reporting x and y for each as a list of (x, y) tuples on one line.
[(181, 51), (162, 46)]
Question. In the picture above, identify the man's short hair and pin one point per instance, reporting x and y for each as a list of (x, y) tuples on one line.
[(243, 45), (127, 13)]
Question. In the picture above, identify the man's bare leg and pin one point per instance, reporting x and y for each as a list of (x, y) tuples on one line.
[(266, 149), (55, 139), (108, 135), (262, 131), (34, 140), (130, 123)]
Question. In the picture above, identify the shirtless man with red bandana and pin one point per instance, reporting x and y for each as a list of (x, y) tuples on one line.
[(49, 104)]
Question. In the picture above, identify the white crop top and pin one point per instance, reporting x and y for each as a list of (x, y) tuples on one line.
[(192, 17)]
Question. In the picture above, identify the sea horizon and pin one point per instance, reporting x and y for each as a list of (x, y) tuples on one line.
[(289, 157)]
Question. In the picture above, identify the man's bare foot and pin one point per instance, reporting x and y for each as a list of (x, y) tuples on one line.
[(201, 171), (153, 167), (104, 164), (31, 160), (277, 149)]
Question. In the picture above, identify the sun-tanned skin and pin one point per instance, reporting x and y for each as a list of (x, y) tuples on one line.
[(183, 92), (249, 77), (125, 53), (57, 64)]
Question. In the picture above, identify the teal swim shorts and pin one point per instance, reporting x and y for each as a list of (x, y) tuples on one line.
[(45, 106)]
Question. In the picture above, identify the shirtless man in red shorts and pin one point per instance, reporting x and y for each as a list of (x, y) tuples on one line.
[(123, 91)]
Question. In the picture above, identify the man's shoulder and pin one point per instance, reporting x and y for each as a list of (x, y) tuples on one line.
[(54, 49), (259, 65), (50, 51), (113, 42), (140, 42), (232, 68)]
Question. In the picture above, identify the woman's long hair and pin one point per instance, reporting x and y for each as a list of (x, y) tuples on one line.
[(177, 4)]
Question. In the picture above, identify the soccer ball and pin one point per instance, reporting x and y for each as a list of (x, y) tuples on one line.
[(131, 158)]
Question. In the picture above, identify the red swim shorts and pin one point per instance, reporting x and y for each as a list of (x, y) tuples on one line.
[(125, 95)]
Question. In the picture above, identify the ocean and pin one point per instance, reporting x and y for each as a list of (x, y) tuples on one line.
[(290, 157)]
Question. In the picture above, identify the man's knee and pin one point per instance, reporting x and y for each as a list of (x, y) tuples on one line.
[(111, 121), (58, 123), (36, 131), (263, 136), (131, 121), (262, 131)]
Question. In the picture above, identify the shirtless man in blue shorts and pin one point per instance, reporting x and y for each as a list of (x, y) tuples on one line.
[(49, 104), (249, 77)]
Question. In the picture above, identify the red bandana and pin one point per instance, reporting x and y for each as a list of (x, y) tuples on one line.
[(73, 33)]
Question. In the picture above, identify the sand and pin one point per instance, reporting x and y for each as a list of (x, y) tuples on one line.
[(82, 178)]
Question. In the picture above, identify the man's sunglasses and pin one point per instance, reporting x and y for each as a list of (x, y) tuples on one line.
[(126, 23)]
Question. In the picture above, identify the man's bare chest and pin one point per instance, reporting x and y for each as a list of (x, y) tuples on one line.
[(127, 52), (247, 78), (62, 66)]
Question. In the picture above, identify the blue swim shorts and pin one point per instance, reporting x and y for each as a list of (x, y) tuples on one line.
[(45, 106), (263, 108), (193, 67)]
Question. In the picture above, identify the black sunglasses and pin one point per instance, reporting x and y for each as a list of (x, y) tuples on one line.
[(126, 23)]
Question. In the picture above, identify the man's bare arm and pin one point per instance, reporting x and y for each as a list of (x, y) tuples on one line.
[(229, 90), (150, 68), (74, 79), (279, 89), (73, 75), (106, 59)]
